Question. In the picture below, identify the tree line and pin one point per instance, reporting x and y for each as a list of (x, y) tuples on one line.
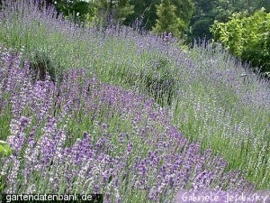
[(225, 21), (188, 19)]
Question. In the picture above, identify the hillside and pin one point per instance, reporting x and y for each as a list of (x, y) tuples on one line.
[(134, 117)]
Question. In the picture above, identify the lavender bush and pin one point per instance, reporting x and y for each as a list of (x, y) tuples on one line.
[(82, 136), (205, 93)]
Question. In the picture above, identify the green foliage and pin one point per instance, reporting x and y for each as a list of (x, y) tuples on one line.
[(153, 15), (41, 64), (167, 19), (170, 19), (184, 11), (2, 185), (199, 14), (5, 151), (77, 10), (247, 37), (200, 28), (206, 12), (144, 12), (112, 12)]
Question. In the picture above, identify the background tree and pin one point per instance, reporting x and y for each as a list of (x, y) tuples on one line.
[(207, 11), (144, 14), (76, 10), (173, 16), (167, 19), (247, 37), (113, 11), (184, 11)]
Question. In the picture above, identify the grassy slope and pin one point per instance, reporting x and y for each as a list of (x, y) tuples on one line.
[(212, 103)]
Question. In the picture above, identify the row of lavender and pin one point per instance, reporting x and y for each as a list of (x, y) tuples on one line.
[(82, 136)]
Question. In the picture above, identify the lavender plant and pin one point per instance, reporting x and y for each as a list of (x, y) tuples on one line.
[(83, 136), (214, 100)]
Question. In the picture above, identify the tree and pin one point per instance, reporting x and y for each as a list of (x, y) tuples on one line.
[(247, 37), (207, 11), (171, 18), (77, 10), (113, 11), (144, 15), (167, 19), (184, 11), (145, 12)]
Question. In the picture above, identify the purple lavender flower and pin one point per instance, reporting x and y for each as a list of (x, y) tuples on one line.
[(90, 136), (173, 164)]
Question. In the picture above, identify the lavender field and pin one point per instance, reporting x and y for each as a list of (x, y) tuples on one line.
[(130, 116)]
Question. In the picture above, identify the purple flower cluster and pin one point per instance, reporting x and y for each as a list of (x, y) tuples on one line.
[(128, 148)]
